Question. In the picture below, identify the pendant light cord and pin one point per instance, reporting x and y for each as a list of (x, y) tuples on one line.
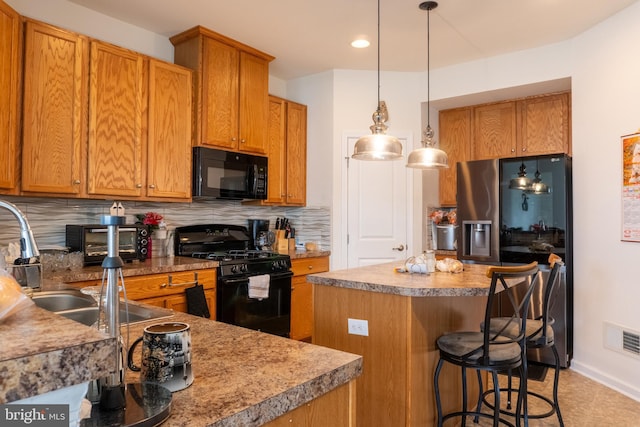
[(428, 68), (378, 108)]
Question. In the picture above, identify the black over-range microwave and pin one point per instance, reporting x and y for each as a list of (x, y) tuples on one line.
[(92, 241), (219, 174)]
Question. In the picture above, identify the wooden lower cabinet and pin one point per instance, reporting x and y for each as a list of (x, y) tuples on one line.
[(302, 295), (336, 409), (167, 290)]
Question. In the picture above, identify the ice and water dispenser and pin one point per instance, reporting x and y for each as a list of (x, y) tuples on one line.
[(476, 238)]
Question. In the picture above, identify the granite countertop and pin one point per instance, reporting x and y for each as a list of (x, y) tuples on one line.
[(308, 254), (136, 268), (383, 278), (36, 342), (247, 378)]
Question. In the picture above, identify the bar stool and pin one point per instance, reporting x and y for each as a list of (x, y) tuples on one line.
[(539, 334), (492, 351)]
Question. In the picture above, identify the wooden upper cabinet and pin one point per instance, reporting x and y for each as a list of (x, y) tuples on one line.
[(10, 66), (231, 90), (116, 146), (287, 152), (494, 131), (54, 110), (277, 134), (544, 124), (169, 135), (455, 140), (296, 164)]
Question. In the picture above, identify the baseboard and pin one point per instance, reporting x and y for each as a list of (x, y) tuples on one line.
[(628, 390)]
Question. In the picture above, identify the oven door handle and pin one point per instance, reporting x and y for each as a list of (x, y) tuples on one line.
[(232, 281)]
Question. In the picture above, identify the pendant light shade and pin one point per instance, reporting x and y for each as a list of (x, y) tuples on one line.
[(428, 156), (521, 182), (378, 145)]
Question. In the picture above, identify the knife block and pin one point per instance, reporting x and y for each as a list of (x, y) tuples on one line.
[(282, 243)]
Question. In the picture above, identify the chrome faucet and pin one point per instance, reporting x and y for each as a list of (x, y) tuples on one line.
[(28, 247)]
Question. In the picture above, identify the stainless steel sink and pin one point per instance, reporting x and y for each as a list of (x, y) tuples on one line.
[(74, 305), (62, 300), (136, 313)]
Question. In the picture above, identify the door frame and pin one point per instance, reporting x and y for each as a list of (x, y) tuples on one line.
[(345, 155)]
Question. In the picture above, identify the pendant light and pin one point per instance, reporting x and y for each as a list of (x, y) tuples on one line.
[(521, 182), (428, 156), (378, 145)]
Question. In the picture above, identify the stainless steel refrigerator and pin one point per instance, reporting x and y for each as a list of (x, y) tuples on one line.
[(519, 210)]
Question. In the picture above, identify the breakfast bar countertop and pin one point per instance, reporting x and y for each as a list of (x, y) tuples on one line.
[(383, 278), (247, 378)]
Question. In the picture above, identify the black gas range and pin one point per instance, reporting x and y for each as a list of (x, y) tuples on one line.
[(253, 287)]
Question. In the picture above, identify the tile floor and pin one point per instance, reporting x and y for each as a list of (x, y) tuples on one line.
[(583, 403)]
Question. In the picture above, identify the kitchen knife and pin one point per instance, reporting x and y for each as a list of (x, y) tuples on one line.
[(278, 223)]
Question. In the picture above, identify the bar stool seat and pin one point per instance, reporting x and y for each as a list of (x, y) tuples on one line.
[(487, 350)]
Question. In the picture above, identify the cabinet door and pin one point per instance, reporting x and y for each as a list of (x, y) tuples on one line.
[(253, 103), (277, 132), (494, 131), (115, 156), (219, 92), (455, 140), (296, 154), (9, 96), (169, 134), (301, 308), (54, 110), (545, 125)]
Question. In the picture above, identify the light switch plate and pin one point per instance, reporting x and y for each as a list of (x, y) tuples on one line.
[(358, 327)]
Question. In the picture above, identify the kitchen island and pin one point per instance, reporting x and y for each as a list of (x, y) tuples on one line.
[(404, 314), (247, 378), (242, 377)]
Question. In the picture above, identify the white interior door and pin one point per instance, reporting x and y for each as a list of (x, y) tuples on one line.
[(376, 208)]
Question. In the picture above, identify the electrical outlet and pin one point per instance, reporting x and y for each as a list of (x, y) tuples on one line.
[(358, 327)]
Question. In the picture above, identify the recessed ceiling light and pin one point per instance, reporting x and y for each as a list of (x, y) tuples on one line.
[(360, 43)]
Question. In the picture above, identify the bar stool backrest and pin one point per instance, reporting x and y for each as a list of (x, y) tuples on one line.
[(511, 286)]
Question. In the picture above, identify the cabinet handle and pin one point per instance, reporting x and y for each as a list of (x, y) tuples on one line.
[(152, 186), (76, 182), (174, 285), (138, 185)]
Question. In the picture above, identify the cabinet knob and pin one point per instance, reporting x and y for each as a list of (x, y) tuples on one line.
[(152, 186), (243, 140), (524, 149), (76, 182), (513, 150), (233, 139), (311, 267), (138, 185)]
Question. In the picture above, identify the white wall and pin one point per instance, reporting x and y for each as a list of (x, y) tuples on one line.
[(73, 17)]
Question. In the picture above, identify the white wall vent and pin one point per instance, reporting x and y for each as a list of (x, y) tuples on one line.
[(621, 339)]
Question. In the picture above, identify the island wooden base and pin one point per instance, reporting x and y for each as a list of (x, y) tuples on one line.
[(399, 354), (336, 408)]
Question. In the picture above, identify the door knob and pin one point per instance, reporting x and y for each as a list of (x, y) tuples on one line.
[(399, 248)]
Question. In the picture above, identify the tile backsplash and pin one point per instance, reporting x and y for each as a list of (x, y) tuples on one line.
[(48, 217)]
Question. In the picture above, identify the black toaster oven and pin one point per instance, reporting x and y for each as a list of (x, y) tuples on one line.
[(91, 240)]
